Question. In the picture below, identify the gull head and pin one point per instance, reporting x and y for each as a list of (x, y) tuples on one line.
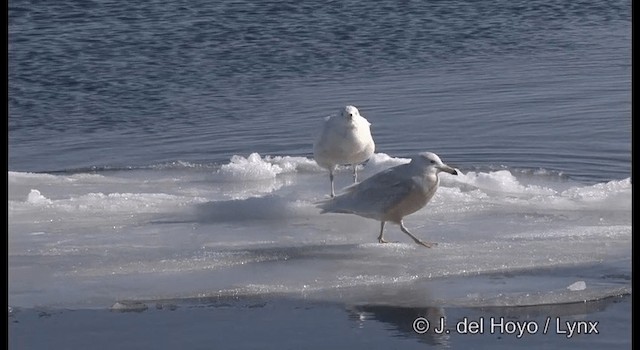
[(432, 163), (349, 112)]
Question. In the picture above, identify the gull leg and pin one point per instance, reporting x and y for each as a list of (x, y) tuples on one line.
[(426, 244), (333, 194), (380, 238), (355, 173)]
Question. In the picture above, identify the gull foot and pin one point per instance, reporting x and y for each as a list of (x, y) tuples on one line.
[(426, 244), (385, 241)]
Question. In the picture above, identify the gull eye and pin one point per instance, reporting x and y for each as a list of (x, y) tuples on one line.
[(433, 161)]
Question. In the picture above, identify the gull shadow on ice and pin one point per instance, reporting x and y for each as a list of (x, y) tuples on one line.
[(269, 208)]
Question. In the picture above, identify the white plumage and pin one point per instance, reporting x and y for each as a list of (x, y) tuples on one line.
[(345, 139), (392, 194)]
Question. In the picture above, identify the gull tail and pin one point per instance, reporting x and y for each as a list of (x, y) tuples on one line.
[(332, 205)]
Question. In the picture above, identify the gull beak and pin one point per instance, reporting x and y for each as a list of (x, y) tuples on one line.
[(448, 169)]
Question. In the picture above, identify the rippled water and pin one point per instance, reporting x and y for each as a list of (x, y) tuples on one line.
[(515, 83)]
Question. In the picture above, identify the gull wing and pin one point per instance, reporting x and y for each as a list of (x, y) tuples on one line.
[(374, 196)]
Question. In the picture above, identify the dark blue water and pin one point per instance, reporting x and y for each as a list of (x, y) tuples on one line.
[(485, 84)]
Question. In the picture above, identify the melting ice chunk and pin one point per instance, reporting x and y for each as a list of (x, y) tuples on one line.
[(35, 197), (126, 306), (580, 285)]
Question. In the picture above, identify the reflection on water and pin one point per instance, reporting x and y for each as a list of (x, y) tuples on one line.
[(445, 326), (428, 324)]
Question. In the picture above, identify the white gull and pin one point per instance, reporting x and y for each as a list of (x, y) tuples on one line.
[(392, 194), (345, 139)]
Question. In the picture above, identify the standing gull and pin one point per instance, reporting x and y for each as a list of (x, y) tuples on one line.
[(344, 139), (392, 194)]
